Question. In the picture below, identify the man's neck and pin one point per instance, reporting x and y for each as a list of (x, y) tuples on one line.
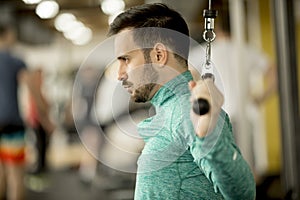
[(167, 74)]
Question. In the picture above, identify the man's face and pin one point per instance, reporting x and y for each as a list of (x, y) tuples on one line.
[(137, 74)]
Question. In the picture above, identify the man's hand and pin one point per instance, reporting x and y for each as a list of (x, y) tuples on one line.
[(206, 89)]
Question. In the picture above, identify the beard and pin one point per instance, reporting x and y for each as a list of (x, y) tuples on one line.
[(149, 78), (142, 94)]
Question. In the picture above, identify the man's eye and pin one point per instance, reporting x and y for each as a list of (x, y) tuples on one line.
[(126, 60)]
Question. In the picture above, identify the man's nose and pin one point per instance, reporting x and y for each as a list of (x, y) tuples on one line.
[(122, 74)]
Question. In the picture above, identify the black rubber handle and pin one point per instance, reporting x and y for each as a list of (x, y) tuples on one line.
[(201, 106)]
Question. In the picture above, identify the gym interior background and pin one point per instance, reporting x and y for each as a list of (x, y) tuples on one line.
[(273, 26)]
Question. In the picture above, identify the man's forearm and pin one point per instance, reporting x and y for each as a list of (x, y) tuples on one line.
[(223, 163)]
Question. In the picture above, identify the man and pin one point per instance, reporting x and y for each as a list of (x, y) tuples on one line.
[(12, 145), (185, 156)]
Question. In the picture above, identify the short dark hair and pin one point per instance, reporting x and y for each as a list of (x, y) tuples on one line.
[(173, 30)]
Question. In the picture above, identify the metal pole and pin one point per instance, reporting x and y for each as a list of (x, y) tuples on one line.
[(288, 90)]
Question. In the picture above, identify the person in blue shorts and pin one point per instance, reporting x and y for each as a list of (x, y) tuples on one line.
[(12, 129)]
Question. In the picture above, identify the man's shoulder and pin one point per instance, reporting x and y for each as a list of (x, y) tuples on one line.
[(178, 104)]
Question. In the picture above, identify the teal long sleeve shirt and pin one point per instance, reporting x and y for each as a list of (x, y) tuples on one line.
[(176, 164)]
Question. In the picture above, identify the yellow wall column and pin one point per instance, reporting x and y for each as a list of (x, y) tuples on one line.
[(272, 121)]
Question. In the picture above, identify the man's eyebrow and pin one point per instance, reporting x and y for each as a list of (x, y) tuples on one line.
[(122, 57)]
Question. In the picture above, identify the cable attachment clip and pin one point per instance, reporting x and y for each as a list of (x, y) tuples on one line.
[(209, 36), (209, 17), (201, 106)]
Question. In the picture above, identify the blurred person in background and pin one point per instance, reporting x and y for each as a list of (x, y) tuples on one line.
[(13, 76), (88, 128), (37, 118), (184, 157), (12, 144)]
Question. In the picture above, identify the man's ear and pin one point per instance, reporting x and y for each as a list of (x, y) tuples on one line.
[(160, 54)]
